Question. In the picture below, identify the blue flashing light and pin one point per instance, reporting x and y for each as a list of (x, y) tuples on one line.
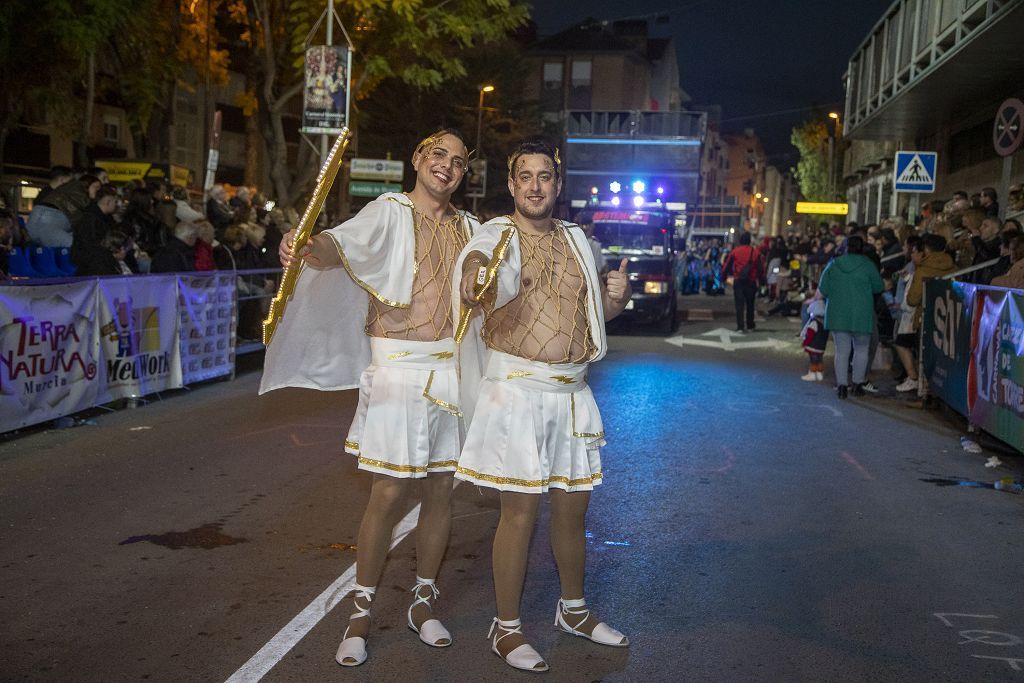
[(638, 200), (638, 186), (661, 190), (615, 186), (615, 200)]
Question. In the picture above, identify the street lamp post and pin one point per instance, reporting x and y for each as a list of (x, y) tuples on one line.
[(479, 123), (831, 157)]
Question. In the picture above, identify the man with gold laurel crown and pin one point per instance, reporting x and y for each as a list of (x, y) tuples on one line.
[(535, 426), (398, 254)]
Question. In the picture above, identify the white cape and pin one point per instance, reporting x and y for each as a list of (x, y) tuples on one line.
[(320, 341)]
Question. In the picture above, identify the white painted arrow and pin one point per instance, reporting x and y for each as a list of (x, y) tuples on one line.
[(725, 341)]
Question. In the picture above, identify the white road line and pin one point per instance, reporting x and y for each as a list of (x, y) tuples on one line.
[(275, 650)]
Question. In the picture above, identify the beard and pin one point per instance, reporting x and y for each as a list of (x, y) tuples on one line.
[(533, 211)]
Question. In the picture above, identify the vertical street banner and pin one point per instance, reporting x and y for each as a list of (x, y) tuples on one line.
[(326, 92), (208, 322), (946, 338), (138, 319), (49, 352), (995, 381)]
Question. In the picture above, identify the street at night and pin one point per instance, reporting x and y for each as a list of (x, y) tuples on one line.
[(750, 527), (487, 340)]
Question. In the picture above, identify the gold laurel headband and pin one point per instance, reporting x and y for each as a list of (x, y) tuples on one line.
[(512, 160)]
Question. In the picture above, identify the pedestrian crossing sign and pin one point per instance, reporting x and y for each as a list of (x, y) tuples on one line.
[(915, 172)]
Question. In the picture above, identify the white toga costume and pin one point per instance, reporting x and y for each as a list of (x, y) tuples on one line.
[(382, 323), (534, 424)]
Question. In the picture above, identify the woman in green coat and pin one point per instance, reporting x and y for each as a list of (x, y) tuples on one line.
[(849, 285)]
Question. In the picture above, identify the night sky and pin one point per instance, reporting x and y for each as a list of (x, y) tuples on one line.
[(753, 57)]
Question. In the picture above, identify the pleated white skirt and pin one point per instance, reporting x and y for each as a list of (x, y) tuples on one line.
[(403, 427), (527, 439)]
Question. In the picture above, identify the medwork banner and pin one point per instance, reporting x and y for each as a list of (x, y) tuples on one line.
[(138, 336), (49, 352), (995, 380), (208, 321), (946, 337), (326, 95)]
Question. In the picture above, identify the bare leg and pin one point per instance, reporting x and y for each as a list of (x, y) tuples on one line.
[(509, 556), (374, 539), (569, 544), (907, 358), (432, 533)]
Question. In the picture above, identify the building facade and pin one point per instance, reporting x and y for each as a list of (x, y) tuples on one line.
[(930, 76), (600, 65)]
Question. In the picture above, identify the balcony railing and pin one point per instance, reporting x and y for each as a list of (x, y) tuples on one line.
[(635, 124), (913, 38)]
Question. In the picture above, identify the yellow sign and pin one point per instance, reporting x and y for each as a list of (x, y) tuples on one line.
[(127, 171), (822, 208)]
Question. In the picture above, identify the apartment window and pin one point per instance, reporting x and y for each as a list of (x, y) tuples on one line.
[(551, 98), (580, 90), (112, 129)]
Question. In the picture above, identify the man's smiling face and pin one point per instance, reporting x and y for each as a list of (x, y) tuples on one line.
[(534, 185), (440, 165)]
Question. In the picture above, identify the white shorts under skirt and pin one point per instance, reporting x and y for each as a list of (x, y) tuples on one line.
[(407, 422), (535, 426)]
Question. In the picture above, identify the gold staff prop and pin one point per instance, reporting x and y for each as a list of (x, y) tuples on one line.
[(485, 279), (328, 172)]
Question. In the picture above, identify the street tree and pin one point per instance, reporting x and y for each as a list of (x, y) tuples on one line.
[(508, 115), (26, 78), (84, 28), (416, 42), (811, 140), (164, 45)]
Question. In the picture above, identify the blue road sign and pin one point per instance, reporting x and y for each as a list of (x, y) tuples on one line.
[(915, 172)]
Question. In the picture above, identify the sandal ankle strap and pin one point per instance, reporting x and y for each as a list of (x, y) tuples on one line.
[(571, 607), (420, 581), (509, 627), (366, 593)]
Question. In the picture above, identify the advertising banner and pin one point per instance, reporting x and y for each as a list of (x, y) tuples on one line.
[(208, 322), (138, 336), (49, 352), (946, 337), (995, 381), (326, 92)]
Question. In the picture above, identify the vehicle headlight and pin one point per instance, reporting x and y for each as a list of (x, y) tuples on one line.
[(655, 287)]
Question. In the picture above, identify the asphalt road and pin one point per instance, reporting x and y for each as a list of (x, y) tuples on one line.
[(751, 527)]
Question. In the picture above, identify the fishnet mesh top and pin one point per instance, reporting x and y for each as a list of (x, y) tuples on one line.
[(429, 316), (547, 321)]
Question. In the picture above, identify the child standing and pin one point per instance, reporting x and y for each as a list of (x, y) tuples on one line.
[(814, 338)]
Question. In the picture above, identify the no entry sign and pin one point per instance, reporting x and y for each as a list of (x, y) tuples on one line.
[(1008, 131)]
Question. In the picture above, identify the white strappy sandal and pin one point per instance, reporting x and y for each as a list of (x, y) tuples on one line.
[(352, 651), (431, 631), (602, 634), (523, 657)]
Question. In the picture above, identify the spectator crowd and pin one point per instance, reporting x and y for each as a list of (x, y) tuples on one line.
[(144, 227), (865, 284)]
